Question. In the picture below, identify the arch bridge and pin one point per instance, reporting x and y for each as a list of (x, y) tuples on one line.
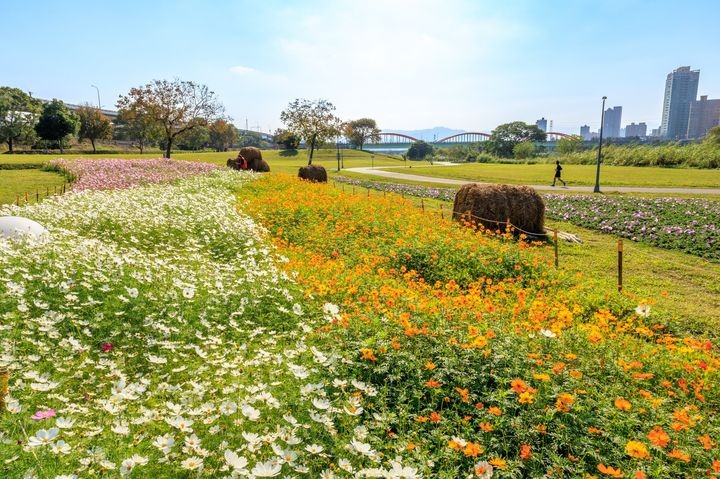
[(400, 139)]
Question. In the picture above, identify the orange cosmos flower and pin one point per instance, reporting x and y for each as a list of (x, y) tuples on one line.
[(541, 377), (716, 465), (564, 401), (637, 450), (473, 449), (525, 452), (464, 394), (706, 442), (610, 471), (432, 384), (486, 426), (526, 398), (640, 475), (430, 365), (558, 368), (623, 404), (679, 455), (495, 411), (435, 417), (658, 437), (368, 354), (499, 462), (518, 385)]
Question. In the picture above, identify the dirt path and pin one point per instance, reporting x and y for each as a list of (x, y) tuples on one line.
[(378, 171)]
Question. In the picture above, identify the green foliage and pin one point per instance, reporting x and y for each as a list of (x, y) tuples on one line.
[(696, 155), (223, 134), (713, 137), (172, 107), (93, 125), (135, 124), (18, 115), (506, 136), (287, 139), (524, 150), (195, 139), (359, 132), (569, 144), (313, 121), (419, 150), (56, 123)]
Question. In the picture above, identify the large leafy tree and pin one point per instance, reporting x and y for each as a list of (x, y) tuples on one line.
[(222, 134), (93, 125), (288, 139), (173, 106), (419, 150), (504, 138), (136, 125), (313, 121), (18, 115), (57, 123), (359, 132), (569, 144)]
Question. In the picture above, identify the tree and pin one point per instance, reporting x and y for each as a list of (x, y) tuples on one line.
[(523, 150), (195, 139), (93, 125), (56, 123), (313, 121), (504, 138), (569, 144), (419, 150), (713, 136), (175, 107), (136, 125), (222, 134), (287, 139), (18, 114), (359, 132)]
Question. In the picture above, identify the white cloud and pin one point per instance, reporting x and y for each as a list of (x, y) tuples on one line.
[(242, 70)]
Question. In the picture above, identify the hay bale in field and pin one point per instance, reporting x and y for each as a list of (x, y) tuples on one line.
[(261, 166), (250, 153), (314, 173), (493, 205)]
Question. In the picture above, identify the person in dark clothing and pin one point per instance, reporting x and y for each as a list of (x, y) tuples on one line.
[(558, 169)]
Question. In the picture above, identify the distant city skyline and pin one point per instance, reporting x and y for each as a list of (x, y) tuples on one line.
[(463, 64)]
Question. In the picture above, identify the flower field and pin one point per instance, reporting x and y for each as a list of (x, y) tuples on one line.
[(101, 174), (227, 325), (688, 225)]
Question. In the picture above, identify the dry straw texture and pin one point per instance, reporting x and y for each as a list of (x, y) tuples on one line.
[(493, 205), (315, 173)]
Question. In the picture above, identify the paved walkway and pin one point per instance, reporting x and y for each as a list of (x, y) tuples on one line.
[(378, 171)]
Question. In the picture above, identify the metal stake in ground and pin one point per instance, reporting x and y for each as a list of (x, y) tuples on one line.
[(555, 239), (620, 264)]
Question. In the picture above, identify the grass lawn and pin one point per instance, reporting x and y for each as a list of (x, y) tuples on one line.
[(575, 175), (18, 182)]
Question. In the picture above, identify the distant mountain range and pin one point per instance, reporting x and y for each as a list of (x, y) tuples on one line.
[(428, 134)]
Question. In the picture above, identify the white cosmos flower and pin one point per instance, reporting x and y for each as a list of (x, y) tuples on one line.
[(643, 310), (13, 406), (345, 465), (120, 428), (156, 359), (192, 463), (66, 476), (361, 447), (297, 309), (164, 443), (60, 447), (250, 412), (188, 293), (547, 333), (43, 437), (266, 469), (483, 470), (236, 462), (321, 404), (180, 423), (227, 408), (64, 423), (132, 292), (314, 449)]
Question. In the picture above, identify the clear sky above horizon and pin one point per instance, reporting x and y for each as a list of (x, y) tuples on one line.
[(409, 64)]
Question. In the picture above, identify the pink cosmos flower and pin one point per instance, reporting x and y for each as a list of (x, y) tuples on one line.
[(43, 414), (106, 347)]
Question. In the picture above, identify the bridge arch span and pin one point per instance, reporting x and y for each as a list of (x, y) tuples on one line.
[(466, 137)]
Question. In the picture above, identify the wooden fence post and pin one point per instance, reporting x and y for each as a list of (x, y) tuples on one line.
[(37, 196), (442, 215), (17, 200), (4, 379), (422, 204), (620, 264), (26, 198), (555, 239)]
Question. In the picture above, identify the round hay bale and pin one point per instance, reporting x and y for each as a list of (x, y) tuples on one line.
[(314, 173), (493, 205), (250, 153), (260, 166)]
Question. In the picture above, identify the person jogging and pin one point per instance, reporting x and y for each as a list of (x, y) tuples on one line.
[(558, 170)]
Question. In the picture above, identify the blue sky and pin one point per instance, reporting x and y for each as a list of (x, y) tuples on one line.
[(409, 64)]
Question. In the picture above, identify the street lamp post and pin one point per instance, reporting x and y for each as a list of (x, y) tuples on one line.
[(98, 94), (597, 173)]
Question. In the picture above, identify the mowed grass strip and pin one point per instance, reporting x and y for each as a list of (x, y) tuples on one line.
[(574, 175), (32, 182)]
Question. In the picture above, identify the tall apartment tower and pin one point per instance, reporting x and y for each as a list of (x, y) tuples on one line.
[(611, 124), (585, 133), (542, 124), (633, 130), (680, 90), (704, 114)]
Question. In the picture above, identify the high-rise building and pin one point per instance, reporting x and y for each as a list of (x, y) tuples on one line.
[(585, 133), (633, 130), (680, 90), (704, 114), (611, 123), (542, 124)]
